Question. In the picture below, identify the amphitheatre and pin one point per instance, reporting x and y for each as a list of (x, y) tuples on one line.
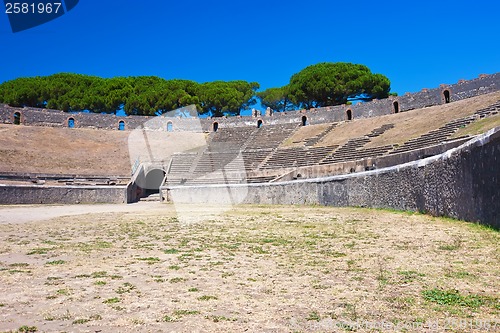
[(307, 220)]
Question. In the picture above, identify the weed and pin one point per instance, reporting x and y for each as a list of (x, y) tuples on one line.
[(193, 290), (313, 316), (259, 250), (207, 298), (174, 267), (99, 275), (409, 276), (21, 264), (169, 319), (125, 288), (459, 274), (100, 283), (217, 319), (112, 300), (455, 245), (63, 292), (82, 276), (56, 262), (171, 251), (41, 250), (186, 312), (177, 280), (27, 329), (150, 260), (350, 245)]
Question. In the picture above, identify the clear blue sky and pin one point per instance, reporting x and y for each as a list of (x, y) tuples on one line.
[(415, 44)]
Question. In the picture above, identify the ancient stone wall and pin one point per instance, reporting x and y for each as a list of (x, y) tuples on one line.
[(427, 97), (42, 194)]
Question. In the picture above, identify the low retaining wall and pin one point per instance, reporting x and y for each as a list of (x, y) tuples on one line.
[(462, 183), (41, 194)]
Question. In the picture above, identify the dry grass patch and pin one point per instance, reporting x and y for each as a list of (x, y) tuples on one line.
[(262, 268)]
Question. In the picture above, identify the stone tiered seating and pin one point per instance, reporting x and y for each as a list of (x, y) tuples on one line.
[(235, 135), (490, 110), (181, 163), (253, 158), (270, 136), (297, 157), (260, 150), (317, 138), (346, 153), (381, 130), (352, 150), (213, 161), (436, 136)]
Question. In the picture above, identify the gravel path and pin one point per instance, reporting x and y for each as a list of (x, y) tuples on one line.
[(32, 213)]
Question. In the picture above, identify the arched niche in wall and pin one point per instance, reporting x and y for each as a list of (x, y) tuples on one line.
[(71, 122), (304, 120), (348, 114), (170, 127), (215, 126), (17, 118), (121, 125), (395, 107), (259, 123), (446, 96)]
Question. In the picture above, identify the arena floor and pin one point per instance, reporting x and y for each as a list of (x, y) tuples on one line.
[(136, 268)]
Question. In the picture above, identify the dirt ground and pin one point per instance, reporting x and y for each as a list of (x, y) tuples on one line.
[(136, 268)]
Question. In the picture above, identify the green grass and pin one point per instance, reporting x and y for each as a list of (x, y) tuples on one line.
[(177, 280), (150, 260), (55, 262), (313, 316), (186, 312), (207, 298), (217, 319), (99, 275), (410, 276), (174, 267), (113, 300), (20, 264), (40, 250), (454, 298), (125, 288), (63, 292)]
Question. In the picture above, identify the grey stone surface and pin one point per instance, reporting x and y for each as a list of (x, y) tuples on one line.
[(462, 183), (41, 194)]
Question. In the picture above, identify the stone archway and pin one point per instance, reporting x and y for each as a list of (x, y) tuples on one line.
[(259, 123), (395, 106), (215, 126), (304, 120), (121, 125), (348, 114), (153, 180), (71, 123), (17, 118), (446, 96)]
